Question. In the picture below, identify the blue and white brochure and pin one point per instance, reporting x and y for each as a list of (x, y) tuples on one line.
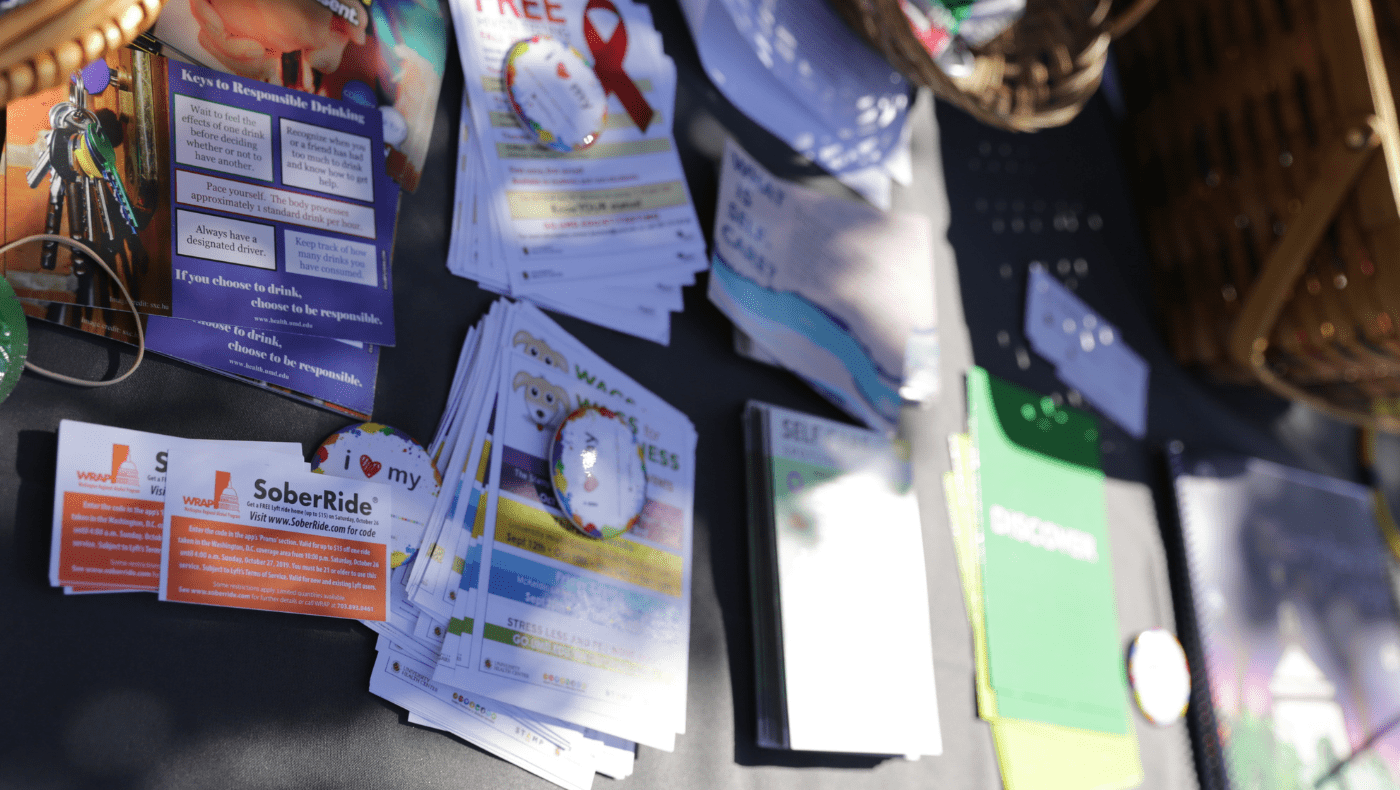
[(838, 292)]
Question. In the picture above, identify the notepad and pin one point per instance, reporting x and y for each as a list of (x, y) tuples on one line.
[(840, 592)]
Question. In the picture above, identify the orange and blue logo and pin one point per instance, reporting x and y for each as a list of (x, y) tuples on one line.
[(123, 472), (225, 497)]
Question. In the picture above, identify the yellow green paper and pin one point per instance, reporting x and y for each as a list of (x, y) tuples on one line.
[(1032, 755)]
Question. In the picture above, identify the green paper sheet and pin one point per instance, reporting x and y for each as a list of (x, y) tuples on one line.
[(1047, 572), (1033, 755)]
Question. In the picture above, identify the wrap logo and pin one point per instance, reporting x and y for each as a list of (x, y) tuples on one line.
[(225, 497), (123, 470)]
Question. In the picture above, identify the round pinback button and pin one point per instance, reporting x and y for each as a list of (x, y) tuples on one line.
[(1159, 675), (555, 94), (379, 453), (395, 126), (599, 475)]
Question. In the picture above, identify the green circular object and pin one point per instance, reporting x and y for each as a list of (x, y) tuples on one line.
[(14, 339)]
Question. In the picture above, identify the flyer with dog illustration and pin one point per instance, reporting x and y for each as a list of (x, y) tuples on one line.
[(593, 631), (251, 531)]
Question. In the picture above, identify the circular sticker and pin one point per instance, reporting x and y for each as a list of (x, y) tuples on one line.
[(381, 454), (1159, 675), (395, 127), (14, 339), (357, 92), (555, 93), (599, 476)]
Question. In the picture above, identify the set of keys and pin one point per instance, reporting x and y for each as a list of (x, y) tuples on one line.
[(81, 162)]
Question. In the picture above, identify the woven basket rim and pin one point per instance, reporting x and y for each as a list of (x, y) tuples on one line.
[(44, 42), (1006, 89)]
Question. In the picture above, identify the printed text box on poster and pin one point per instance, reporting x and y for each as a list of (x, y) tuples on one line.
[(325, 160), (219, 137), (220, 194), (224, 239), (333, 259)]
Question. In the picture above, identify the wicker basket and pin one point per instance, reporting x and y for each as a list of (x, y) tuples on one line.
[(43, 42), (1035, 75), (1264, 136)]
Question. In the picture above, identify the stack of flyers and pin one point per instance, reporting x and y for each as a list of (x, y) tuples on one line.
[(606, 233), (554, 650), (240, 524), (831, 501), (803, 74), (253, 225), (835, 291), (1026, 503)]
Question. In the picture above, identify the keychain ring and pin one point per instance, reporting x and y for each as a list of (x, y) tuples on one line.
[(140, 333)]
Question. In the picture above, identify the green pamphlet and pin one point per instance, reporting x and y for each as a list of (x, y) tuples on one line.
[(1033, 755), (1047, 578)]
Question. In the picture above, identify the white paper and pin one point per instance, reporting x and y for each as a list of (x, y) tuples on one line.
[(584, 678), (109, 494), (831, 288), (248, 530), (850, 550)]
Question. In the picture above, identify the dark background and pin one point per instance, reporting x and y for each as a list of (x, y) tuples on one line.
[(117, 691)]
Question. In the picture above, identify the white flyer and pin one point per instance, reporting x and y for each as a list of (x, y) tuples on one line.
[(246, 530), (591, 632), (109, 504), (838, 292), (404, 680), (602, 205)]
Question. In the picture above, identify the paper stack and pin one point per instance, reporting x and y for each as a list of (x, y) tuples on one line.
[(1026, 501), (238, 524), (831, 502), (512, 630), (835, 291), (800, 72), (608, 233), (253, 225)]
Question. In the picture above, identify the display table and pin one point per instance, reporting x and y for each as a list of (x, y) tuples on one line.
[(125, 691)]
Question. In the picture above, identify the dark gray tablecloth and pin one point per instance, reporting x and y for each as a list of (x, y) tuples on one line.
[(124, 691)]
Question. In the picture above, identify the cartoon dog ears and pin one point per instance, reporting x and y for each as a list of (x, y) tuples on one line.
[(522, 378), (538, 349)]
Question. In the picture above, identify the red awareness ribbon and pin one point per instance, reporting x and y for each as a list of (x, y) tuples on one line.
[(607, 64)]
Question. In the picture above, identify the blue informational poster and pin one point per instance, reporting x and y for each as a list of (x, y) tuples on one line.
[(283, 217), (327, 371)]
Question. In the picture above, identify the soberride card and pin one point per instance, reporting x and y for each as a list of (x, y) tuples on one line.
[(109, 503), (258, 532), (1051, 623)]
